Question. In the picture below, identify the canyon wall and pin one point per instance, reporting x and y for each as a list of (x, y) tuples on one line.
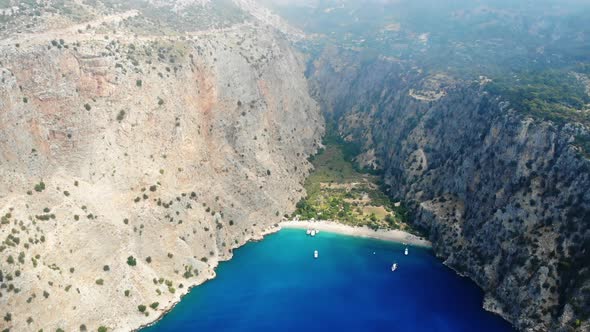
[(503, 197), (132, 162)]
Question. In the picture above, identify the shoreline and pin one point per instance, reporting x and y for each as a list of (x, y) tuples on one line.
[(322, 225), (397, 236), (256, 238)]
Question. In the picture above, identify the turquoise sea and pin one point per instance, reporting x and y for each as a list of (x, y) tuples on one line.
[(277, 285)]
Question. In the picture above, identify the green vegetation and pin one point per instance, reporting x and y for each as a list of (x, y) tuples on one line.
[(189, 272), (131, 261), (154, 305), (583, 142), (547, 94), (121, 115), (102, 329), (141, 308), (337, 190), (40, 187)]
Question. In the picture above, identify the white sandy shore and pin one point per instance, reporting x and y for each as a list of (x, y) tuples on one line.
[(335, 227)]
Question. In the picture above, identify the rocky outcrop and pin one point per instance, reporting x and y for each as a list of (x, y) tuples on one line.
[(132, 163), (503, 197)]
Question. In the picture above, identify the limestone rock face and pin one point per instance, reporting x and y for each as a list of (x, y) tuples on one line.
[(504, 198), (135, 156)]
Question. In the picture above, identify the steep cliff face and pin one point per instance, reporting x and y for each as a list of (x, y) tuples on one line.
[(504, 198), (132, 162)]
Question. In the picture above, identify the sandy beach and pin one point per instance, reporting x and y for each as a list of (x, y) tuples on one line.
[(335, 227)]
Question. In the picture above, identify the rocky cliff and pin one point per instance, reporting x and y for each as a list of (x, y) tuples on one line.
[(136, 153), (503, 197)]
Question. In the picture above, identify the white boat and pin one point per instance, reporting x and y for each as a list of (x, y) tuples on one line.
[(308, 232), (317, 231), (312, 233), (394, 267), (315, 254), (406, 252)]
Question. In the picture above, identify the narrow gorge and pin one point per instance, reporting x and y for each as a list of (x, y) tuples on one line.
[(502, 196), (143, 141)]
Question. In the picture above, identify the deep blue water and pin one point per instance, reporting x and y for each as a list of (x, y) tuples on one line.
[(276, 285)]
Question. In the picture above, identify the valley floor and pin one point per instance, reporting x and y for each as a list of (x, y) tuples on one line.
[(337, 189)]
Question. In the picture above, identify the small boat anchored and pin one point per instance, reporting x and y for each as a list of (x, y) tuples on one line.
[(315, 254), (312, 232), (406, 251), (394, 267)]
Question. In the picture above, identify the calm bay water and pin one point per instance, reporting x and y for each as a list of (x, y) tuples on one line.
[(276, 285)]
